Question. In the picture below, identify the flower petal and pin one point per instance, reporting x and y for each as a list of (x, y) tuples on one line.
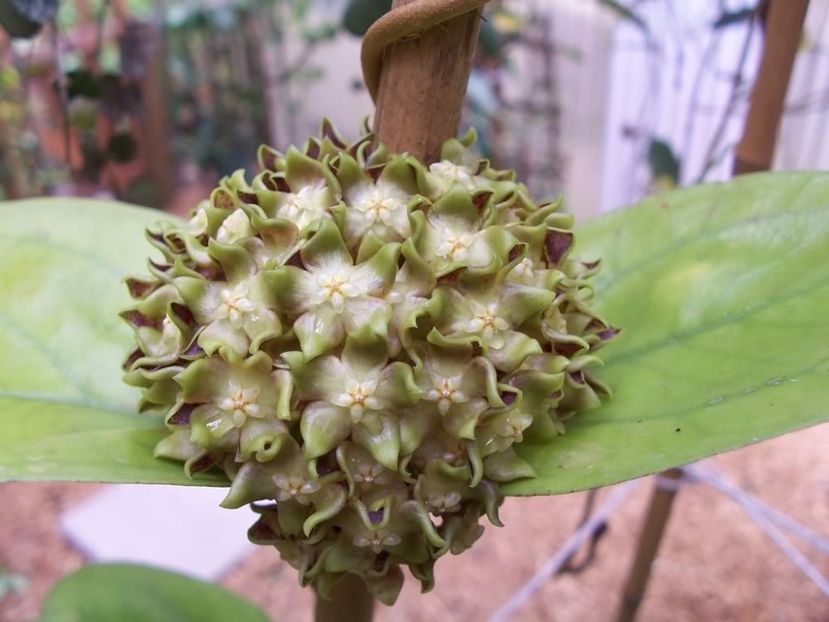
[(461, 420), (506, 466), (376, 276), (517, 347), (326, 250), (323, 378), (222, 333), (323, 427), (519, 302), (319, 330), (293, 289), (367, 311), (380, 435)]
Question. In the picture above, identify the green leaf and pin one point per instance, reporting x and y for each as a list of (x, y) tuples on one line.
[(64, 411), (25, 18), (127, 593), (361, 14), (663, 162), (721, 292)]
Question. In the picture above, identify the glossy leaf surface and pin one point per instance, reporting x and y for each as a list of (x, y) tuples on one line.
[(721, 292), (65, 414)]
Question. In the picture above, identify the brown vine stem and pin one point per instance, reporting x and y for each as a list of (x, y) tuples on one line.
[(416, 62), (350, 602)]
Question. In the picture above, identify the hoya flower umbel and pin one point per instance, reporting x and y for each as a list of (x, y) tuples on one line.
[(378, 200), (360, 343)]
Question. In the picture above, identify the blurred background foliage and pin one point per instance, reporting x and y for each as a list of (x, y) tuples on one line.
[(150, 101)]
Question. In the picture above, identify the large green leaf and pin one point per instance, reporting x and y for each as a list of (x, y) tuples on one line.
[(64, 412), (126, 593), (720, 291)]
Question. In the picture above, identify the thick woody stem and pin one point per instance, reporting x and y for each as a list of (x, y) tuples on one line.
[(416, 62), (350, 602)]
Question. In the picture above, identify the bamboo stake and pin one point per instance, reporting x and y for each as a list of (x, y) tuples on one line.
[(784, 24), (659, 511), (423, 77)]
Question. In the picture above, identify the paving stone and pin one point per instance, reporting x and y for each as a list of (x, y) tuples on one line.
[(173, 527)]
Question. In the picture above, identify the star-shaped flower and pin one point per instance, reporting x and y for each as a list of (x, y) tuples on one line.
[(355, 394), (378, 206), (228, 394), (450, 234), (493, 312), (332, 296)]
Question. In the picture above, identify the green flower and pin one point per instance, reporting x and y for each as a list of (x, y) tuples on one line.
[(377, 208), (331, 295), (354, 395), (360, 342), (228, 395)]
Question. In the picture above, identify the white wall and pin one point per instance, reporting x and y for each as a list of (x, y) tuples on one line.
[(620, 89), (663, 92)]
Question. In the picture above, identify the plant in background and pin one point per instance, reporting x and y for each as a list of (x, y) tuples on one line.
[(237, 58), (94, 88), (101, 593)]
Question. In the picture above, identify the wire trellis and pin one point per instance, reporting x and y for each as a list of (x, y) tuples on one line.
[(773, 522)]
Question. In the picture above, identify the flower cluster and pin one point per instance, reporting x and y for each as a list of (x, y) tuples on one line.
[(358, 341)]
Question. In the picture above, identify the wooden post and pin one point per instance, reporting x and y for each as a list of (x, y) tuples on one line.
[(659, 511), (423, 79), (784, 24)]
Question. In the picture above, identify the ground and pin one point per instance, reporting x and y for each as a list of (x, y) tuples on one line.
[(715, 564)]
